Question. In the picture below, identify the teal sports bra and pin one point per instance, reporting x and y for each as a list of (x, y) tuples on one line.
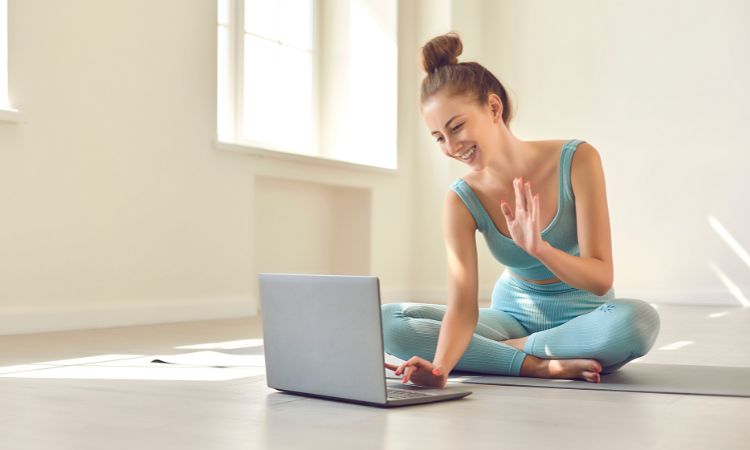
[(561, 233)]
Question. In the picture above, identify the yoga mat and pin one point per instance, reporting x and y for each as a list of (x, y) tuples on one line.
[(644, 377)]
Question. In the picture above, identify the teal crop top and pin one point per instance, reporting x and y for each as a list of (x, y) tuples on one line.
[(561, 233)]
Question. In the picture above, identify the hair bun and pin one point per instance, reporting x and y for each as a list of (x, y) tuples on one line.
[(441, 51)]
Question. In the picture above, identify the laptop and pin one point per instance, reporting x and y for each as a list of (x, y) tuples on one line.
[(323, 337)]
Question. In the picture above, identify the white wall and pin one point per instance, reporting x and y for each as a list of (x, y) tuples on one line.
[(116, 206)]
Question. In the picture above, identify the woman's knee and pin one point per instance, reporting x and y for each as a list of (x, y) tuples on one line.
[(392, 315), (399, 334), (637, 322)]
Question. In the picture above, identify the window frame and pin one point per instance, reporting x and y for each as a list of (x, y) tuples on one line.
[(7, 113), (232, 138), (236, 92)]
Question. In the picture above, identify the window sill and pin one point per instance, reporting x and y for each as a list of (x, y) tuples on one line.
[(286, 156), (10, 115)]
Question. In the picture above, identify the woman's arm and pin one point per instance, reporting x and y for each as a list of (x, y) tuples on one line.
[(592, 271), (462, 311)]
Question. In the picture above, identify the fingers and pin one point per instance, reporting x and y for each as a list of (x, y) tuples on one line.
[(528, 197), (520, 197), (403, 366), (406, 369), (392, 367), (407, 373), (412, 365), (507, 212)]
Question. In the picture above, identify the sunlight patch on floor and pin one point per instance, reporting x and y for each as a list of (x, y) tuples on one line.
[(733, 288), (156, 373), (228, 345), (676, 345)]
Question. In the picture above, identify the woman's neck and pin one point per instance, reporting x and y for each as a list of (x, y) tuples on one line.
[(510, 159)]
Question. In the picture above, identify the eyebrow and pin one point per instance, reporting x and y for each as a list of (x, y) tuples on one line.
[(447, 123)]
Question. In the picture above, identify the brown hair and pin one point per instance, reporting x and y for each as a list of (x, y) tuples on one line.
[(440, 61)]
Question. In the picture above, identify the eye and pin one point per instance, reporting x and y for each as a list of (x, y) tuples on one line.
[(440, 139), (457, 127)]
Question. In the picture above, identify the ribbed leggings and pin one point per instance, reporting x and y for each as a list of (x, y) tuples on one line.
[(561, 322)]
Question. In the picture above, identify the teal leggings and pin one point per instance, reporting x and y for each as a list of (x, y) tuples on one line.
[(561, 322)]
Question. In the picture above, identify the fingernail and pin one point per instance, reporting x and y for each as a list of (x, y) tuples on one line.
[(403, 380)]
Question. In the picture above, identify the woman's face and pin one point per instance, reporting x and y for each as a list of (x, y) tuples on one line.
[(461, 126)]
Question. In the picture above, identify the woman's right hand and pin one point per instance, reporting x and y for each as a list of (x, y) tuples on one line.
[(421, 372)]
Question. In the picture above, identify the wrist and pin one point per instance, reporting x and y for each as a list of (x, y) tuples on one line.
[(442, 369), (541, 250)]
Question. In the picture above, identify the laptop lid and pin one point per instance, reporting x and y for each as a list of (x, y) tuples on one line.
[(322, 335)]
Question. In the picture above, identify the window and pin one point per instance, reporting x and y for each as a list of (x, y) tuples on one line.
[(287, 84), (4, 101)]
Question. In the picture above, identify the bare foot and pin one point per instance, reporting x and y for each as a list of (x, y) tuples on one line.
[(585, 369)]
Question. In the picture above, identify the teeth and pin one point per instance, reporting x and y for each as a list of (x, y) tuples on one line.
[(468, 154)]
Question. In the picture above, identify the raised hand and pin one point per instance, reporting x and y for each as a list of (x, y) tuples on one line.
[(523, 224)]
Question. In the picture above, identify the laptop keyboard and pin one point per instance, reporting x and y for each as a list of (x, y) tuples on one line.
[(398, 394)]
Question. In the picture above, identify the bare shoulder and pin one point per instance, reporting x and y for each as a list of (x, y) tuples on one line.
[(586, 171), (456, 212), (585, 158)]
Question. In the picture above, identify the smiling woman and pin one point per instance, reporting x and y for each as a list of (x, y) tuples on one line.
[(554, 313)]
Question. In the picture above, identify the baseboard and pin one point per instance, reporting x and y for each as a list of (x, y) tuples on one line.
[(40, 320), (695, 297), (439, 296)]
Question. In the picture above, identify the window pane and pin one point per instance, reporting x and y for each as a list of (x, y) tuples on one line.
[(261, 90), (223, 99), (278, 95), (223, 13), (4, 103), (262, 18), (296, 23), (373, 56), (296, 84)]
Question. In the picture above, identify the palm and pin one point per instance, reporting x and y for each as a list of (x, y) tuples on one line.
[(523, 223), (523, 230)]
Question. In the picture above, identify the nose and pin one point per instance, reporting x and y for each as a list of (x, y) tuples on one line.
[(452, 147)]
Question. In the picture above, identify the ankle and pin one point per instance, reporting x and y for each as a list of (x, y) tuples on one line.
[(534, 367)]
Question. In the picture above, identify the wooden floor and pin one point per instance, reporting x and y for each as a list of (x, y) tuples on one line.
[(95, 389)]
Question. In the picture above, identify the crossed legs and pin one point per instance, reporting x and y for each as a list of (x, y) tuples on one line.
[(602, 340)]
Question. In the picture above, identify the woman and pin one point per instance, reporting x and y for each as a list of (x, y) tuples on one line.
[(542, 208)]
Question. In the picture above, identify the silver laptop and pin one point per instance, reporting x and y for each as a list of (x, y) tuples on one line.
[(323, 337)]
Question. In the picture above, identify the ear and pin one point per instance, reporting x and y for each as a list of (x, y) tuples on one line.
[(496, 107)]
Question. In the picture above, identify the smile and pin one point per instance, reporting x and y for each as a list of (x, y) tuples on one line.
[(468, 154)]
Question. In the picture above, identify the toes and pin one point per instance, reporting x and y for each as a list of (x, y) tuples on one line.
[(591, 376), (595, 366)]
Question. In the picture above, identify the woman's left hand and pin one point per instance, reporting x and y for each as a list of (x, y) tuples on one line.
[(524, 224), (421, 372)]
